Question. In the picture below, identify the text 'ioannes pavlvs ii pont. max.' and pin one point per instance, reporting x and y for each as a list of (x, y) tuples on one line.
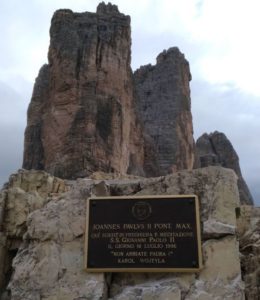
[(146, 234)]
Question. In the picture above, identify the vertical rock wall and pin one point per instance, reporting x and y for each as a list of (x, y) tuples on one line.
[(163, 101), (85, 116), (81, 117)]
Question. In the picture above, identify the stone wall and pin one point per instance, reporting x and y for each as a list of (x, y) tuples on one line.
[(43, 235), (24, 193)]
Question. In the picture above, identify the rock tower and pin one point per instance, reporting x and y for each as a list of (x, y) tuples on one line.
[(163, 101), (89, 113), (81, 117), (215, 149)]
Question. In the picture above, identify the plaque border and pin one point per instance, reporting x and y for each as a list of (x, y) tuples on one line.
[(144, 270)]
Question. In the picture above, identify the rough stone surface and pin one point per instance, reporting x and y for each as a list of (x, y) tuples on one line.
[(217, 280), (163, 101), (248, 227), (49, 261), (82, 116), (24, 193), (216, 150)]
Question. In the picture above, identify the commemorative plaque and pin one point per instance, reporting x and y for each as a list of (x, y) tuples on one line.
[(143, 234)]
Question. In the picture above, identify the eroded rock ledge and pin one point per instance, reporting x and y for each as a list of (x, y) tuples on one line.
[(42, 227)]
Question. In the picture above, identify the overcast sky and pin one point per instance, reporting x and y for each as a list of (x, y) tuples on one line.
[(220, 38)]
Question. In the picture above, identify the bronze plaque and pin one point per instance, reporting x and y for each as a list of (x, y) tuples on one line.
[(143, 234)]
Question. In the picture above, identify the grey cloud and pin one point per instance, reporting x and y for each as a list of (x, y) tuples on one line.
[(11, 151), (235, 113), (12, 105), (146, 46), (12, 124)]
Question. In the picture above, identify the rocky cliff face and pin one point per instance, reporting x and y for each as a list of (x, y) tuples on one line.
[(163, 101), (248, 228), (81, 117), (85, 114), (216, 150)]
